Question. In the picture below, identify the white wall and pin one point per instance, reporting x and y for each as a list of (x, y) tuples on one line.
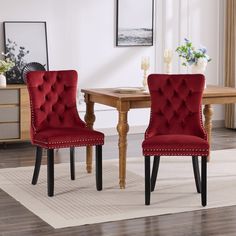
[(81, 36)]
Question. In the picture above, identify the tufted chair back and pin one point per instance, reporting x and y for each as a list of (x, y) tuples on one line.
[(176, 104), (53, 99)]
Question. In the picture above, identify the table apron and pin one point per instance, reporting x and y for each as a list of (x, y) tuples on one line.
[(219, 100)]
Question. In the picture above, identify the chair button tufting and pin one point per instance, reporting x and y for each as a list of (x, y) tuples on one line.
[(61, 118), (176, 114), (168, 102), (190, 113)]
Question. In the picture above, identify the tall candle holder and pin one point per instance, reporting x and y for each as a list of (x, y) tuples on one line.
[(168, 55), (145, 65)]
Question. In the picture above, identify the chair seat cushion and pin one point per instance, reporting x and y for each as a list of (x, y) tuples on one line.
[(67, 137), (175, 145)]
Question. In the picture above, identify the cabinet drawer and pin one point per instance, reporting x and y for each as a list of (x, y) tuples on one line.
[(9, 96), (9, 114), (9, 130)]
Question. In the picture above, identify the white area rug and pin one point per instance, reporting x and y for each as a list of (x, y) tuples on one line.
[(78, 203)]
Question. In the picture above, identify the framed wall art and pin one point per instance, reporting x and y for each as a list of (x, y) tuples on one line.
[(25, 44), (134, 23)]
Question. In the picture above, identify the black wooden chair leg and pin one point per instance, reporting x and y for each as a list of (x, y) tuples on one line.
[(50, 168), (72, 163), (147, 180), (99, 167), (196, 173), (154, 172), (37, 165), (204, 181)]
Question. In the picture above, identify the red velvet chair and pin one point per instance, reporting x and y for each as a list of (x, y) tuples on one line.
[(55, 122), (175, 127)]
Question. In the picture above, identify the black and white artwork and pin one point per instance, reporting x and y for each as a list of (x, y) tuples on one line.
[(134, 23), (25, 43)]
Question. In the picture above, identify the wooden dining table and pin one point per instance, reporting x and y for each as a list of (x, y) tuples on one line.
[(123, 102)]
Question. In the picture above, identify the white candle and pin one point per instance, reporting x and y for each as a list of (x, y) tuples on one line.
[(168, 55), (145, 63)]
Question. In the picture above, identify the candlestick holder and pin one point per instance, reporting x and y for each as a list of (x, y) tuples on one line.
[(145, 65), (168, 55)]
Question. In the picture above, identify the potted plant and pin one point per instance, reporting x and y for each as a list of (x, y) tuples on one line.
[(5, 65), (196, 58), (16, 54)]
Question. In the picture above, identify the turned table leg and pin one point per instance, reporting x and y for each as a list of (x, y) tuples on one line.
[(122, 129), (89, 119), (208, 112)]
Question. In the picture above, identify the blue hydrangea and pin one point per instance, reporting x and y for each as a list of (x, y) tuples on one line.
[(190, 54)]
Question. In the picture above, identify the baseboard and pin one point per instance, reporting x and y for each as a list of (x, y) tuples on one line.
[(218, 123)]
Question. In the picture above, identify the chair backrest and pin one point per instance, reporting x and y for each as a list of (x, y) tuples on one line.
[(53, 99), (176, 104)]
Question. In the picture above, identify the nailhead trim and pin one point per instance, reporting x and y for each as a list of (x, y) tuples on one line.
[(147, 130), (70, 143), (175, 154), (78, 140), (201, 122), (175, 149), (32, 113)]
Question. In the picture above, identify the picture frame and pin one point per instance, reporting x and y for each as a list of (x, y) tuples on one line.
[(134, 22), (25, 43)]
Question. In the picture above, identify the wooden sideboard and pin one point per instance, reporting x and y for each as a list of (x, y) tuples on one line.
[(14, 113)]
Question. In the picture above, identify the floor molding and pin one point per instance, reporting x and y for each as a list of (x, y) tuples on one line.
[(218, 123)]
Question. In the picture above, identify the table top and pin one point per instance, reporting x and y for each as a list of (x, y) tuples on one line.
[(212, 91), (14, 86)]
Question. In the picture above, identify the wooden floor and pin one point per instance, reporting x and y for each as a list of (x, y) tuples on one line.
[(17, 220)]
